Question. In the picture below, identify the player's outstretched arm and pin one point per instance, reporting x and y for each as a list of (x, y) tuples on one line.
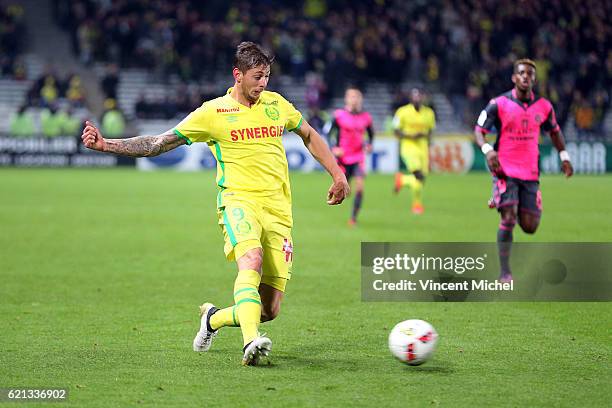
[(315, 144), (559, 142), (139, 146)]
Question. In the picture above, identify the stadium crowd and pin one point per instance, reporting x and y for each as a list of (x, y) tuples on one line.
[(465, 48), (182, 100), (56, 105), (11, 41)]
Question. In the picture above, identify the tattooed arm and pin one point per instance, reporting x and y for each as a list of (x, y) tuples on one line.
[(139, 146)]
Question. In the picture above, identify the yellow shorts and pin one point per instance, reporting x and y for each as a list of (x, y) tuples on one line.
[(262, 221), (415, 156)]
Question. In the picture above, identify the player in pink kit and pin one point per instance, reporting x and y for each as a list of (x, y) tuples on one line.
[(348, 126), (518, 116)]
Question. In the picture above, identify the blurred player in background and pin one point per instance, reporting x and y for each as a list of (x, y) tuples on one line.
[(345, 133), (244, 132), (413, 125), (519, 117)]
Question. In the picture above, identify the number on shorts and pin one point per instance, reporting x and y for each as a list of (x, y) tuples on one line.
[(238, 213)]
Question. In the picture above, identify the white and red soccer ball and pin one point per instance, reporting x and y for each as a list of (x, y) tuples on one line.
[(413, 341)]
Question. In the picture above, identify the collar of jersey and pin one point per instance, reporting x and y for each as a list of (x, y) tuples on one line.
[(411, 106), (515, 96), (227, 94), (353, 113)]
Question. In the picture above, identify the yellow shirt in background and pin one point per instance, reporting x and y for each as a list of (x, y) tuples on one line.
[(410, 121)]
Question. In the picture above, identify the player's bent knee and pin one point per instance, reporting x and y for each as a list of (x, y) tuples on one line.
[(529, 227), (529, 223), (270, 312), (252, 259), (508, 215), (509, 220)]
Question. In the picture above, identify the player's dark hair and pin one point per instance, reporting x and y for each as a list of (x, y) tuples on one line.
[(524, 61), (250, 55), (353, 88)]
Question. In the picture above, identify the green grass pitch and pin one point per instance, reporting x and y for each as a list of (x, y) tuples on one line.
[(102, 271)]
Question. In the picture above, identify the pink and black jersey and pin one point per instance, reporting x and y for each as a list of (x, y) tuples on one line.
[(351, 128), (518, 124)]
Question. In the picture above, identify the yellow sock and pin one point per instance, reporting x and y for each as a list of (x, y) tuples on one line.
[(417, 192), (408, 179), (248, 303), (224, 317)]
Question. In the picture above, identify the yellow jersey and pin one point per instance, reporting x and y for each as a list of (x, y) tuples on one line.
[(247, 142), (412, 121)]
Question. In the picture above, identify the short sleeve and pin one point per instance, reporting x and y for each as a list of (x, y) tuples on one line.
[(488, 117), (397, 119), (294, 116), (196, 127), (550, 124)]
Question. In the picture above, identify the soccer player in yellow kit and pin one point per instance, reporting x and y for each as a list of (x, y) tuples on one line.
[(244, 131), (413, 124)]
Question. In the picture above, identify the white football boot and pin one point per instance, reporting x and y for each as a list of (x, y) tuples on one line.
[(261, 346), (205, 335)]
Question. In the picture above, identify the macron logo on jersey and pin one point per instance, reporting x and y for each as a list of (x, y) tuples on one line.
[(228, 110), (256, 133)]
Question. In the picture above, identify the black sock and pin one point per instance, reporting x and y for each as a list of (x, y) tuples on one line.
[(357, 204), (504, 245)]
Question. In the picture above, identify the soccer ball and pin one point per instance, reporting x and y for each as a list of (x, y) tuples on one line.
[(413, 341)]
